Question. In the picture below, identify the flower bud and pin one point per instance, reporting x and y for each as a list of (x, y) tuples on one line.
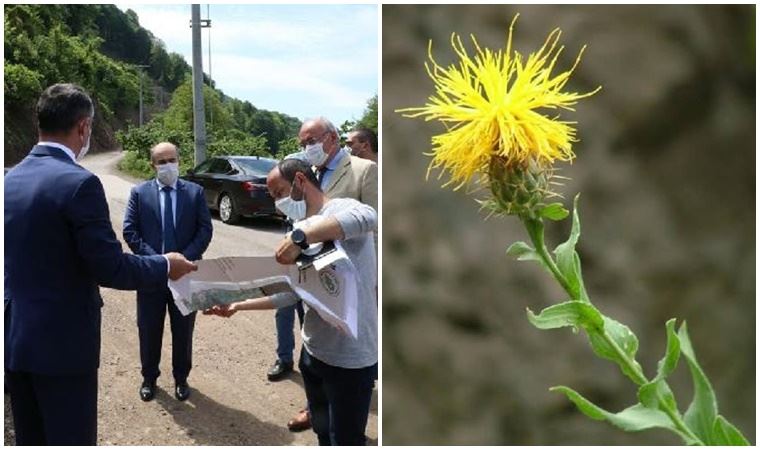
[(518, 188)]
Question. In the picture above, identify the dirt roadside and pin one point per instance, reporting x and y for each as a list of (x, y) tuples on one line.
[(232, 403)]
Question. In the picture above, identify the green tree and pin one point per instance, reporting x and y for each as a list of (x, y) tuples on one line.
[(369, 118), (179, 115), (287, 147)]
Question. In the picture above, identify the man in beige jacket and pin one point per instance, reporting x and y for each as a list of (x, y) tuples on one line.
[(341, 175)]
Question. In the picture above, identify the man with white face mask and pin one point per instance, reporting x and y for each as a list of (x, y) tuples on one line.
[(338, 370), (166, 214), (339, 175)]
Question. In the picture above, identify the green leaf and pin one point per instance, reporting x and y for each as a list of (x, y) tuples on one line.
[(701, 413), (575, 314), (525, 252), (635, 418), (554, 211), (522, 251), (651, 393), (726, 434), (566, 255), (668, 363), (579, 277), (624, 339)]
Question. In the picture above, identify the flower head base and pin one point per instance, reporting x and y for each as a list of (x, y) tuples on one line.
[(490, 106), (517, 189)]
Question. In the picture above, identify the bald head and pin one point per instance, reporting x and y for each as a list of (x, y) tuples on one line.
[(162, 153), (320, 130)]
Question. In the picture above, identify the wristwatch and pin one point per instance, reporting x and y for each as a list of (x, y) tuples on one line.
[(299, 238)]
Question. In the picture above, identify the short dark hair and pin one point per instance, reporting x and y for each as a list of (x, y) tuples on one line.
[(291, 166), (61, 106), (367, 135)]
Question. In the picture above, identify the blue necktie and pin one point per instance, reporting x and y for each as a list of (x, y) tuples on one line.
[(170, 239)]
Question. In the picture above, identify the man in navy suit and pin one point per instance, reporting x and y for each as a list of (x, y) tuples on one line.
[(166, 214), (59, 246)]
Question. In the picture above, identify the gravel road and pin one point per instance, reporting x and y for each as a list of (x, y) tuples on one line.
[(232, 403)]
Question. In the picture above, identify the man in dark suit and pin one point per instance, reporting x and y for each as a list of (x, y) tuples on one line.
[(166, 214), (59, 246)]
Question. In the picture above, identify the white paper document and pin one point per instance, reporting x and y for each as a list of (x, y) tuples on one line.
[(328, 285)]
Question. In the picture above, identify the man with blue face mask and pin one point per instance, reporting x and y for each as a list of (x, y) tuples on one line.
[(166, 214)]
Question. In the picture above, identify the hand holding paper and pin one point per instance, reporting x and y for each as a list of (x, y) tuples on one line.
[(327, 284), (179, 266)]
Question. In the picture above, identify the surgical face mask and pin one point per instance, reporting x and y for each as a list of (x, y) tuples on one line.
[(168, 173), (294, 209), (315, 154), (85, 148)]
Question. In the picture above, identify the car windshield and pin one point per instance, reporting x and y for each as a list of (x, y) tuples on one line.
[(259, 167)]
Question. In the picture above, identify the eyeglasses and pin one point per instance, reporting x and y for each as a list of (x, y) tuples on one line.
[(313, 140)]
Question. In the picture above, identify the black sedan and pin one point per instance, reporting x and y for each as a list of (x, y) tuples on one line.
[(236, 186)]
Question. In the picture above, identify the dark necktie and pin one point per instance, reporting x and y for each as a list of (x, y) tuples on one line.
[(170, 239), (321, 174)]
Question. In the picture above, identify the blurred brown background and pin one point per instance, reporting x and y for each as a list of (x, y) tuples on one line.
[(666, 167)]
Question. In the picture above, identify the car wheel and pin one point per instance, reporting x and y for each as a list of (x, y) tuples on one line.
[(227, 210)]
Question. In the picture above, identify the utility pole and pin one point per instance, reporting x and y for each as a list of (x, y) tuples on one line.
[(210, 82), (141, 67), (199, 118)]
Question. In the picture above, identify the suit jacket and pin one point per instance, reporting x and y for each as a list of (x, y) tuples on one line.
[(143, 231), (354, 178), (59, 246)]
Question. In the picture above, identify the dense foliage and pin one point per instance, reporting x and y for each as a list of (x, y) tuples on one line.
[(95, 46), (92, 44), (98, 47), (233, 127)]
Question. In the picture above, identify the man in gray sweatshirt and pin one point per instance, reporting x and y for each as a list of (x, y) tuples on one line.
[(338, 370)]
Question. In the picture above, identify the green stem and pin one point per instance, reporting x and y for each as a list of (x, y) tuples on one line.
[(535, 228), (630, 363), (675, 417)]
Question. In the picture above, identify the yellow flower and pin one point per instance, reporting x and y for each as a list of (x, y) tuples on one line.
[(491, 106)]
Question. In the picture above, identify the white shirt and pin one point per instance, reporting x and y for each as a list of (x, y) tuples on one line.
[(58, 145), (161, 201)]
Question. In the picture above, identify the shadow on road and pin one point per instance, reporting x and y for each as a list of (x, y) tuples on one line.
[(210, 423)]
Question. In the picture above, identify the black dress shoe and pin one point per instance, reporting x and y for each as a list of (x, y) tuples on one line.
[(279, 370), (181, 391), (147, 391)]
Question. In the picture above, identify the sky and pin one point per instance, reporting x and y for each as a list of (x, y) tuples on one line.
[(301, 60)]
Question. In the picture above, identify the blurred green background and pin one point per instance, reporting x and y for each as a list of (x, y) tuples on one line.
[(666, 167)]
